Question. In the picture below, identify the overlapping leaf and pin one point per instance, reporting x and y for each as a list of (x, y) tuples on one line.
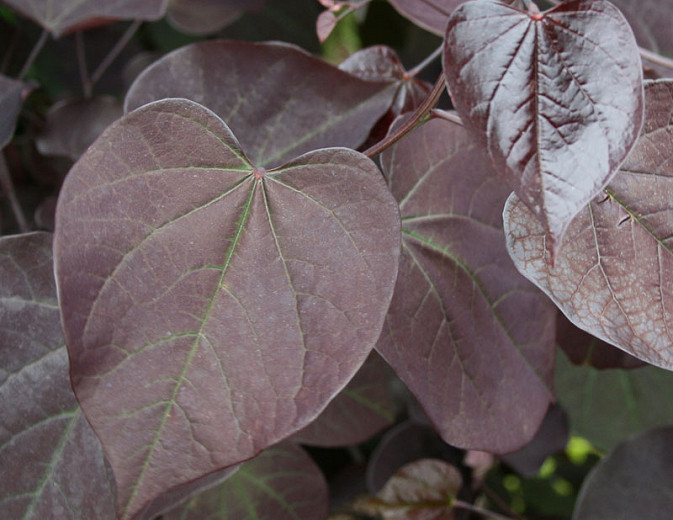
[(202, 17), (471, 338), (432, 15), (281, 483), (62, 16), (52, 463), (556, 98), (633, 481), (613, 278), (10, 106), (299, 103), (234, 302)]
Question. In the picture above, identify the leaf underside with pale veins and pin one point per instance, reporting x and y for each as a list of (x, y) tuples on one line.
[(556, 99), (234, 302), (52, 463), (299, 103), (470, 337), (614, 278), (10, 106), (62, 16), (432, 15)]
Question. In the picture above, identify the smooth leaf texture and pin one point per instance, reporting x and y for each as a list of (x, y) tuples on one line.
[(605, 406), (361, 409), (10, 105), (235, 302), (471, 338), (203, 17), (633, 481), (298, 104), (60, 16), (281, 483), (556, 98), (432, 15), (613, 278), (52, 463)]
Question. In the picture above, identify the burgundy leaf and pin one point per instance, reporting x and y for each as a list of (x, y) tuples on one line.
[(10, 105), (633, 481), (65, 15), (650, 21), (471, 338), (282, 483), (298, 104), (73, 125), (52, 463), (612, 279), (363, 407), (235, 302), (432, 15), (606, 406), (203, 17), (556, 98)]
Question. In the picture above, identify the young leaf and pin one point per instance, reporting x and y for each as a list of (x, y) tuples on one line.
[(52, 463), (299, 104), (11, 100), (281, 483), (66, 15), (556, 98), (432, 15), (234, 302), (612, 279), (471, 338), (633, 481)]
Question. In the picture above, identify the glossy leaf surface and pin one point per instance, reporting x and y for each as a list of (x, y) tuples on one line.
[(52, 463), (468, 335), (556, 98), (62, 16), (633, 481), (299, 104), (281, 483), (10, 106), (613, 278), (432, 15), (242, 335), (606, 406)]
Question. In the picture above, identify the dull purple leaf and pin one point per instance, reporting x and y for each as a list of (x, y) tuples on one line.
[(203, 17), (11, 99), (432, 15), (555, 97), (242, 335)]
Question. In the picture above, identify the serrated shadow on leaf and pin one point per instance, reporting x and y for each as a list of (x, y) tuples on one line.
[(242, 334), (299, 103), (556, 98), (612, 279), (470, 337)]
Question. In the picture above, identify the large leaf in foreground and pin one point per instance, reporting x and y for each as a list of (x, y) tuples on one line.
[(633, 481), (614, 277), (299, 103), (52, 463), (281, 483), (470, 337), (10, 105), (235, 302), (556, 98)]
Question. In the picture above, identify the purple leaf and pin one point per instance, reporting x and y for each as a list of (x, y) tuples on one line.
[(73, 125), (299, 104), (52, 463), (363, 407), (611, 278), (633, 481), (281, 483), (67, 15), (203, 17), (556, 98), (236, 302), (432, 15), (471, 338), (11, 100), (606, 406)]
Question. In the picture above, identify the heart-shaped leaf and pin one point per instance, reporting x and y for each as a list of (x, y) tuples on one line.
[(281, 483), (612, 279), (61, 16), (52, 463), (10, 105), (299, 104), (633, 481), (556, 98), (471, 338), (432, 15), (235, 302)]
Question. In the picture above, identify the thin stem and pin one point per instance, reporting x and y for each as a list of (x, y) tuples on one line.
[(479, 510), (495, 498), (427, 61), (10, 193), (115, 51), (33, 54), (81, 62), (406, 127), (658, 59), (445, 114)]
